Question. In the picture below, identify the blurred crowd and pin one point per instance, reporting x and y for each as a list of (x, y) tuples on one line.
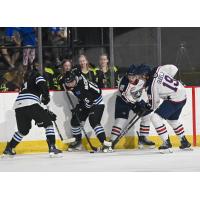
[(16, 59), (99, 74)]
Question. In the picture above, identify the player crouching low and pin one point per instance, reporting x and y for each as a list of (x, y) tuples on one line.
[(129, 99), (90, 106), (27, 108), (160, 84)]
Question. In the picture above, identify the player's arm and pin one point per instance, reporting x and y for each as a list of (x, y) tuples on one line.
[(43, 88), (153, 96), (123, 84), (94, 89)]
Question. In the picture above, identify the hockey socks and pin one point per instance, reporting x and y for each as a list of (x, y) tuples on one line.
[(144, 130), (179, 131), (116, 131), (100, 133), (178, 128), (162, 132), (76, 132), (50, 134), (16, 139)]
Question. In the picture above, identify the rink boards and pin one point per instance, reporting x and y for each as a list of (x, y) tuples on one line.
[(35, 141)]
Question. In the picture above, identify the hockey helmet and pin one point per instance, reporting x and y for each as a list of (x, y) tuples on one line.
[(143, 70), (132, 70), (69, 77)]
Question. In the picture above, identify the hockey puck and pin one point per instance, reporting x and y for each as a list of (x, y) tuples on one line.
[(91, 151)]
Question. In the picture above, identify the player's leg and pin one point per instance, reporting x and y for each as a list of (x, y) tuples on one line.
[(122, 110), (43, 119), (81, 113), (143, 141), (157, 119), (178, 127), (23, 125), (95, 117)]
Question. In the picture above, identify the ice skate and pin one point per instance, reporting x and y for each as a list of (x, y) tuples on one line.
[(166, 147), (54, 152), (75, 146), (143, 142), (185, 145), (107, 147), (8, 152)]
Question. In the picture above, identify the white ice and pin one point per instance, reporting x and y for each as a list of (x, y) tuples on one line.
[(121, 160)]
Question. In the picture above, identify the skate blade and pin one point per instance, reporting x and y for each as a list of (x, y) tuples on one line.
[(107, 151), (5, 156), (74, 150), (165, 151), (68, 141), (142, 146), (187, 149), (53, 155)]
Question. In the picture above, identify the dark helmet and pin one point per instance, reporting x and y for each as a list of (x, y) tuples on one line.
[(144, 70), (69, 77), (132, 70)]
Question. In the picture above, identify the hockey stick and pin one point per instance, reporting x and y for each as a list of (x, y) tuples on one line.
[(65, 141), (127, 128), (82, 128)]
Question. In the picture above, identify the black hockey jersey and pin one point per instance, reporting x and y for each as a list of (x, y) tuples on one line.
[(87, 92), (33, 87), (130, 93)]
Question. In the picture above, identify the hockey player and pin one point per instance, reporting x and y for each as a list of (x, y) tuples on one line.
[(129, 98), (27, 108), (90, 105), (160, 84)]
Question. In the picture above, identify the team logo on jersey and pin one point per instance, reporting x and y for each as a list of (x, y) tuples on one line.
[(136, 94), (87, 100)]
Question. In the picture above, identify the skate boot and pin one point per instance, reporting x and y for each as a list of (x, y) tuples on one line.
[(54, 152), (185, 145), (107, 147), (75, 146), (166, 147), (8, 151), (144, 142)]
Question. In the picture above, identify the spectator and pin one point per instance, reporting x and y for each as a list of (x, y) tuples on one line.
[(103, 73), (11, 81), (50, 73), (11, 38), (58, 37), (66, 66), (86, 68), (28, 38)]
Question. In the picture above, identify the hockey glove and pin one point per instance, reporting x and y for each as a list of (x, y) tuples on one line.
[(45, 100), (52, 115), (76, 110), (141, 108)]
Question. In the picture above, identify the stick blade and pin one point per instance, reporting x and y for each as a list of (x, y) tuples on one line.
[(70, 140)]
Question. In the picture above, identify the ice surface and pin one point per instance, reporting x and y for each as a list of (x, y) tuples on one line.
[(121, 160)]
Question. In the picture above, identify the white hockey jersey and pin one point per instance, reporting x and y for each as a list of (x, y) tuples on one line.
[(129, 92), (165, 87)]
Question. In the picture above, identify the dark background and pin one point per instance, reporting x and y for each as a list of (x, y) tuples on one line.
[(136, 45)]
